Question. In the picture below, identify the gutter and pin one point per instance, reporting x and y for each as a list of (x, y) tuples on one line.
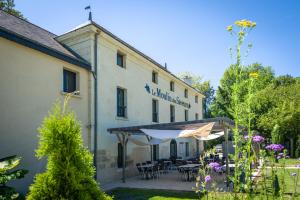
[(95, 101)]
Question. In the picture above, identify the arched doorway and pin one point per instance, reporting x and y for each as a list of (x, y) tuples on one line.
[(173, 149)]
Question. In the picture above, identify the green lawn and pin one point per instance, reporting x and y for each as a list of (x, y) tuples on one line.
[(289, 162), (149, 194)]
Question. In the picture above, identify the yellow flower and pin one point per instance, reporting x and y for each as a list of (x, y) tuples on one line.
[(245, 23), (229, 28), (253, 74)]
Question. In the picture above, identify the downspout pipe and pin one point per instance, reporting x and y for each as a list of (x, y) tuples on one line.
[(95, 102)]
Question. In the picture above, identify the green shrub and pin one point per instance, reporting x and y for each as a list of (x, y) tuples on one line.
[(6, 175), (70, 170)]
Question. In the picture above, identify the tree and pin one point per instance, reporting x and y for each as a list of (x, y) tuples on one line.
[(9, 7), (70, 170), (6, 175), (277, 110), (222, 105), (204, 87)]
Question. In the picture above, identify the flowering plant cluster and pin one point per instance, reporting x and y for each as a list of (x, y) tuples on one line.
[(275, 147)]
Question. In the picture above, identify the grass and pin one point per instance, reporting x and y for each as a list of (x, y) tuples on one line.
[(289, 162)]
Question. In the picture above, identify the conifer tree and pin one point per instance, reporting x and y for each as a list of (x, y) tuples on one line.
[(69, 174)]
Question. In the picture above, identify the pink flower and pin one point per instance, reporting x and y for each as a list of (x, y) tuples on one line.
[(275, 147), (207, 178)]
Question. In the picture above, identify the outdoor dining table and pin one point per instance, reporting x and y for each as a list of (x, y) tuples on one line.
[(188, 168), (145, 169)]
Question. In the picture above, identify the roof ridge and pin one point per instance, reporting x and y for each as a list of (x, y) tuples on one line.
[(54, 35)]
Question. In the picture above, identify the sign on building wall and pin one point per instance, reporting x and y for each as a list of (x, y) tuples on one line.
[(166, 96)]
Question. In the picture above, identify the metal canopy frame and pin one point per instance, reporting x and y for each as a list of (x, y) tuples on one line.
[(123, 134)]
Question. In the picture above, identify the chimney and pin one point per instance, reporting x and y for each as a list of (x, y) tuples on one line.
[(166, 66), (188, 80)]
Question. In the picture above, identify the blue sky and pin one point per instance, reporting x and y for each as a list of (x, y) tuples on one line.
[(190, 35)]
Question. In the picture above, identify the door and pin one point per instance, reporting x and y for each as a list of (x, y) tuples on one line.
[(173, 149)]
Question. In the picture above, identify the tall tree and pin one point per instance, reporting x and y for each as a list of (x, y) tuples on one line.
[(9, 7), (204, 87), (222, 105)]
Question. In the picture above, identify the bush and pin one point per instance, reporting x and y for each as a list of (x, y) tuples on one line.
[(70, 170), (6, 175)]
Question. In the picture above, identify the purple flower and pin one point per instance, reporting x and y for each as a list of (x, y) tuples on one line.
[(214, 165), (298, 166), (246, 137), (258, 139), (278, 157), (207, 178), (287, 156), (298, 158), (280, 154), (275, 147), (293, 174)]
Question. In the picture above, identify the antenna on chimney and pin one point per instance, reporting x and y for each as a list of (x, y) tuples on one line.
[(166, 66), (90, 13)]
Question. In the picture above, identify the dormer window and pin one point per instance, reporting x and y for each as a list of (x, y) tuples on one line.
[(154, 77)]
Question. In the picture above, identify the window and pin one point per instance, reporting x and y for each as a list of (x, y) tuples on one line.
[(154, 77), (172, 86), (196, 99), (120, 155), (121, 60), (187, 149), (121, 102), (186, 93), (154, 110), (172, 113), (155, 152), (69, 81), (186, 115), (196, 116)]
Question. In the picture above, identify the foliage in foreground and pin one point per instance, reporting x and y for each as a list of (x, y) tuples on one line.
[(70, 171), (9, 7), (6, 175)]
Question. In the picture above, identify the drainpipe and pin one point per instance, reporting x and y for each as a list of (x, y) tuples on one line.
[(95, 102)]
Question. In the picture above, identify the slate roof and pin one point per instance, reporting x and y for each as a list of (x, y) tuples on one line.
[(31, 33)]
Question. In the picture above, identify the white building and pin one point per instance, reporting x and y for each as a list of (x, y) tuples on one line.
[(131, 89)]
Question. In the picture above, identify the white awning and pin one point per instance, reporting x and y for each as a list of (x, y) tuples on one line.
[(203, 131), (211, 136)]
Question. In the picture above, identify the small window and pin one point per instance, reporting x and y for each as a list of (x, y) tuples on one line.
[(196, 116), (69, 81), (186, 93), (121, 60), (155, 152), (120, 155), (172, 113), (172, 86), (187, 149), (154, 110), (121, 102), (186, 115), (154, 77), (196, 99)]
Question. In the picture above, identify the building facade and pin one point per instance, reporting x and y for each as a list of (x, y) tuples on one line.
[(132, 89)]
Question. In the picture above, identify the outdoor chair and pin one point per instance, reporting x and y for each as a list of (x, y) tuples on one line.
[(140, 170)]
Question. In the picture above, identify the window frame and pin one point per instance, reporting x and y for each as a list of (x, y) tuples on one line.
[(172, 86), (155, 112), (196, 116), (172, 111), (76, 73), (155, 77), (186, 115), (187, 149), (196, 98), (186, 93), (123, 57), (124, 106)]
